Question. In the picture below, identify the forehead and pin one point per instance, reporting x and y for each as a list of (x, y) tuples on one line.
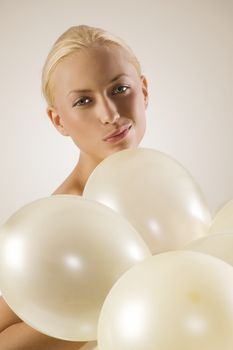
[(93, 66)]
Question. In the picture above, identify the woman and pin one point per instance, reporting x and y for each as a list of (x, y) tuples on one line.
[(96, 94)]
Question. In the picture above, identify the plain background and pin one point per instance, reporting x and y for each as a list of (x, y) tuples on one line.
[(186, 51)]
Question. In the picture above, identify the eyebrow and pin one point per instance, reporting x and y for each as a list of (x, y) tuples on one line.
[(88, 90)]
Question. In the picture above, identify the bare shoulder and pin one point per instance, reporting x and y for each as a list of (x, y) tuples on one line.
[(7, 316), (20, 336), (69, 186), (64, 189)]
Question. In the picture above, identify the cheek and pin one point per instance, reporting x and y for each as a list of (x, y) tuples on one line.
[(138, 100), (139, 109), (129, 106), (71, 120), (81, 127)]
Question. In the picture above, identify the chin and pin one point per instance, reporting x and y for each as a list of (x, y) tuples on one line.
[(130, 143)]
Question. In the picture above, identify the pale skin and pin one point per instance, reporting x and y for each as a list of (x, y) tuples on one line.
[(115, 103)]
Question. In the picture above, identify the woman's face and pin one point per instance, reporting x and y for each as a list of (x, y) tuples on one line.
[(99, 101)]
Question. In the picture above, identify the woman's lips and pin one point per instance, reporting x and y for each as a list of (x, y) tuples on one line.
[(118, 134)]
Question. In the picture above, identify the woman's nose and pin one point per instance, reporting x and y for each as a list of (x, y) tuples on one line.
[(108, 113)]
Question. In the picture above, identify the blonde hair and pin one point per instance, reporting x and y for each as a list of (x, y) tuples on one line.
[(74, 39)]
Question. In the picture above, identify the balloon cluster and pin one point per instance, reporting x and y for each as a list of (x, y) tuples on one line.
[(136, 263)]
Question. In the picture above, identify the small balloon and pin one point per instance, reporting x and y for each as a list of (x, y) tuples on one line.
[(59, 257), (219, 245), (155, 193), (223, 220), (175, 300)]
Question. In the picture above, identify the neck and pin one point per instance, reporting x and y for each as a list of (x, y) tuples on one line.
[(84, 168)]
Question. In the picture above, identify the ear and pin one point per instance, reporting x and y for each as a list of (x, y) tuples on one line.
[(57, 121), (145, 89)]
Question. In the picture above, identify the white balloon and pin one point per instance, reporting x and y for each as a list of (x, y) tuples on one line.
[(223, 220), (59, 257), (155, 193), (178, 300), (219, 245)]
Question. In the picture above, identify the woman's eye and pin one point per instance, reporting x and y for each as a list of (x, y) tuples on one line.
[(81, 102), (85, 100), (120, 89)]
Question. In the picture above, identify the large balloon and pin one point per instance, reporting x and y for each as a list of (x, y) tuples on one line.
[(171, 301), (155, 193), (59, 257), (219, 245), (223, 220)]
